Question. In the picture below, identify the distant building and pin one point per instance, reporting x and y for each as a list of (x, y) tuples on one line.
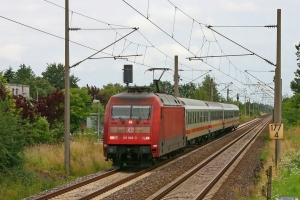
[(17, 89)]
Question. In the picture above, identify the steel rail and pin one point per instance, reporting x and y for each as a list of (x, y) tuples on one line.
[(72, 187), (103, 190), (223, 171), (204, 163)]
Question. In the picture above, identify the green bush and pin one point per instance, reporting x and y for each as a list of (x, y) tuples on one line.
[(41, 128), (12, 141)]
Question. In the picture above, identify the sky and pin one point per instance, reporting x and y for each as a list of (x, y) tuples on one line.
[(32, 33)]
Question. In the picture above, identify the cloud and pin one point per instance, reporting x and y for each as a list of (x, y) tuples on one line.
[(12, 52)]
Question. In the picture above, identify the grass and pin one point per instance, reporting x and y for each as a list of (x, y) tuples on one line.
[(44, 167), (286, 178)]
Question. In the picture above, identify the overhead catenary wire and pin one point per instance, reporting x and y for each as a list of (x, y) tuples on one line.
[(268, 26), (242, 46), (142, 45), (173, 37), (53, 35)]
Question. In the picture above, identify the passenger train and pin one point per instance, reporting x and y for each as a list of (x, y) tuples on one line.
[(142, 127)]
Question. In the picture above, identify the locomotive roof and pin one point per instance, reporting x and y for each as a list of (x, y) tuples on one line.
[(134, 95), (167, 100), (192, 102)]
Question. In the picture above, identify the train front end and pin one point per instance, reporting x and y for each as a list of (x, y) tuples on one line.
[(128, 126)]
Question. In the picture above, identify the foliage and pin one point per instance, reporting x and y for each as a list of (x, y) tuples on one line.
[(109, 90), (58, 130), (164, 87), (186, 90), (55, 75), (290, 110), (79, 107), (93, 91), (21, 183), (287, 179), (11, 136), (41, 129), (27, 109), (22, 74), (51, 106), (201, 91), (295, 84), (39, 87), (9, 75)]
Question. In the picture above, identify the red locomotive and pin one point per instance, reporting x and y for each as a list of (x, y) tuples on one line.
[(141, 126)]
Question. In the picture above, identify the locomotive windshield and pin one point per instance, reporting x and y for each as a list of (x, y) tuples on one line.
[(131, 112), (140, 112)]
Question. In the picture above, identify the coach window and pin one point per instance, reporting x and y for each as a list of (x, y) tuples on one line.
[(122, 112), (186, 118), (141, 112), (200, 116)]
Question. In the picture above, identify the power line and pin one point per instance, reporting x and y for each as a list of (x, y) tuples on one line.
[(179, 42), (158, 27), (117, 33), (109, 24), (268, 26), (53, 35), (242, 46)]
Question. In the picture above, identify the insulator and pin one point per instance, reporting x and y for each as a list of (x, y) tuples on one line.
[(74, 29), (271, 26)]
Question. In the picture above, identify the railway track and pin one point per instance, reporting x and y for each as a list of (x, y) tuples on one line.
[(197, 182), (119, 179)]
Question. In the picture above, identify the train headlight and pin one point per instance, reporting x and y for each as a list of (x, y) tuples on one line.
[(113, 137), (145, 138)]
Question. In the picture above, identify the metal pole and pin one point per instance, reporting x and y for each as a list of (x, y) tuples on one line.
[(176, 90), (249, 107), (67, 90), (245, 106), (211, 90), (277, 100), (269, 187), (237, 98), (98, 119), (227, 95)]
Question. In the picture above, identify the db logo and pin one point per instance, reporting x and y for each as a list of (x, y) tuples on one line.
[(130, 129)]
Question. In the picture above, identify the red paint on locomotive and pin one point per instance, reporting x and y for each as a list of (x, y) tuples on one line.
[(139, 128)]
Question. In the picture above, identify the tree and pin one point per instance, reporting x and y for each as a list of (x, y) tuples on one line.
[(295, 84), (93, 91), (109, 90), (39, 87), (9, 75), (51, 106), (55, 74), (22, 74), (164, 87), (186, 90), (80, 109), (201, 91), (26, 108), (11, 132), (291, 109)]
